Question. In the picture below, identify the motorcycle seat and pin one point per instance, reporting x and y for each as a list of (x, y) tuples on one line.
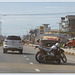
[(45, 49)]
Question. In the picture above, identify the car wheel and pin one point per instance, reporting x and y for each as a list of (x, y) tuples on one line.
[(4, 51), (20, 51)]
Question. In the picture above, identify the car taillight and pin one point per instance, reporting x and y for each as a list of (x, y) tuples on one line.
[(6, 41), (20, 42)]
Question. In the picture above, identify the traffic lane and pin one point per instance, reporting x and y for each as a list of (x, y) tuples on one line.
[(16, 68), (14, 63), (30, 52), (11, 57), (30, 65), (71, 58), (68, 67)]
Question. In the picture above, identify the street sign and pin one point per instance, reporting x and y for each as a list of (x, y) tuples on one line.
[(41, 30)]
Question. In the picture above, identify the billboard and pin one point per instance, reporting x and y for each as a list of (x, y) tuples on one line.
[(50, 38)]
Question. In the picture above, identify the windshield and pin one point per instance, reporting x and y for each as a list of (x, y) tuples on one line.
[(13, 38)]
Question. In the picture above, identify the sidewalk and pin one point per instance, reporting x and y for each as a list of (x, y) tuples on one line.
[(67, 50)]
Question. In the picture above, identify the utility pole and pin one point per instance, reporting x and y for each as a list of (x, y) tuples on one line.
[(0, 26)]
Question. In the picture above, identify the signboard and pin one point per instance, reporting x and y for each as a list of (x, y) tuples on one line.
[(41, 30), (50, 38)]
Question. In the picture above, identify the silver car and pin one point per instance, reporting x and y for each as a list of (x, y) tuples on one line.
[(12, 43)]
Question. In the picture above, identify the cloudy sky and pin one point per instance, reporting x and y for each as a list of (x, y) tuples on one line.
[(19, 17)]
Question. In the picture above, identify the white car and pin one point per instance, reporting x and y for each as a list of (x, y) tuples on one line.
[(12, 43)]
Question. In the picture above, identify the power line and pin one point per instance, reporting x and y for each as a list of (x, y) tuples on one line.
[(37, 14)]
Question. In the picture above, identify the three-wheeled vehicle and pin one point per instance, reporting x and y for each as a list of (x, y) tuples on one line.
[(48, 41), (70, 43)]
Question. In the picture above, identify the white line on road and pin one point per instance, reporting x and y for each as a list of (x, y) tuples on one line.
[(31, 63), (27, 58), (37, 70), (71, 59)]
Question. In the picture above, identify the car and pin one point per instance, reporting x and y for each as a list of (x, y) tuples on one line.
[(13, 43)]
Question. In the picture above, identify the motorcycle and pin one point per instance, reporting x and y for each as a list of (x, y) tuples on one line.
[(42, 55)]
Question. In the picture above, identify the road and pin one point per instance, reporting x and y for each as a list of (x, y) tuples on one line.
[(13, 62)]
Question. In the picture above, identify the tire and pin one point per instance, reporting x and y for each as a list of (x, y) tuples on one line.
[(39, 57), (4, 51), (64, 59), (20, 51)]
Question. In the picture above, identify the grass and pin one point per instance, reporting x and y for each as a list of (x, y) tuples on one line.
[(61, 45), (1, 43)]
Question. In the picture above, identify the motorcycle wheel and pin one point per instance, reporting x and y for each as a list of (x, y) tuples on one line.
[(64, 59), (40, 57)]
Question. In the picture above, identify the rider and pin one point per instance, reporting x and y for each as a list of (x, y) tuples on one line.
[(54, 48)]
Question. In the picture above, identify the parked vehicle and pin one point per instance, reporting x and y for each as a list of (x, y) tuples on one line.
[(42, 55), (48, 41), (12, 43), (70, 43)]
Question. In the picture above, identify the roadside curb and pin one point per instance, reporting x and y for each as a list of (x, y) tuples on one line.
[(69, 53), (64, 50)]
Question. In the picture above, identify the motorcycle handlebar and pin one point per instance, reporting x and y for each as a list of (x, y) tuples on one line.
[(35, 47)]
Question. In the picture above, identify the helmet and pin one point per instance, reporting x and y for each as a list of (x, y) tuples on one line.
[(57, 45)]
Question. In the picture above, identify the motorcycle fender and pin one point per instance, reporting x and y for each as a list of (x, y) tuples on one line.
[(62, 51)]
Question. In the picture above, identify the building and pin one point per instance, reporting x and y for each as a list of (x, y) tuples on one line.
[(40, 31), (46, 28), (67, 25), (53, 31)]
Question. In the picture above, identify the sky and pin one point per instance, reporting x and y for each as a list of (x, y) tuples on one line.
[(32, 15), (20, 25), (39, 13)]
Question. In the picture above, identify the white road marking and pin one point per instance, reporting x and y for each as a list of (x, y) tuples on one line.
[(37, 70), (24, 56), (31, 63), (27, 58), (71, 59)]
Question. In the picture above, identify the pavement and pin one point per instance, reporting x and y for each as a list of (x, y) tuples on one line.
[(67, 50)]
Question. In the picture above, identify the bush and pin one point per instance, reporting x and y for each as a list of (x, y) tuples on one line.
[(1, 43), (61, 45)]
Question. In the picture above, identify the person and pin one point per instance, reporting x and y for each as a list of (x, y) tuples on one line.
[(54, 48), (64, 45), (38, 40)]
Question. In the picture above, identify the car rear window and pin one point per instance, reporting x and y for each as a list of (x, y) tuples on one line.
[(13, 38)]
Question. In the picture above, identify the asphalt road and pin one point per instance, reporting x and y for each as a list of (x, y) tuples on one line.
[(13, 62)]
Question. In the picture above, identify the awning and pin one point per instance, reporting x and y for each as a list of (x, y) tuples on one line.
[(50, 38)]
